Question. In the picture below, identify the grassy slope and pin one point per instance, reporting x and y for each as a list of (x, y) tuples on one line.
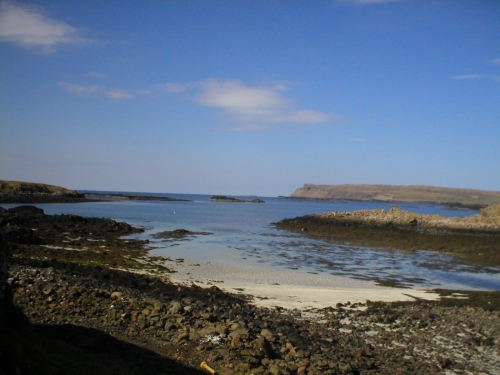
[(411, 193), (15, 187)]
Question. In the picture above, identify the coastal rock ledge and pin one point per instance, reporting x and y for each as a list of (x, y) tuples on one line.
[(475, 238)]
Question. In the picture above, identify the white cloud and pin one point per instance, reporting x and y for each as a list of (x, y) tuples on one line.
[(118, 94), (238, 98), (476, 76), (253, 108), (27, 27), (496, 61), (467, 76), (112, 93), (80, 89)]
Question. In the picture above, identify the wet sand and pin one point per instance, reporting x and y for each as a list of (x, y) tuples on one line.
[(288, 289)]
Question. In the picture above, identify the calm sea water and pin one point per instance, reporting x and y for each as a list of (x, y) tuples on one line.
[(242, 234)]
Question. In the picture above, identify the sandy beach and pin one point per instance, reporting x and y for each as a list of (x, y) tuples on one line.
[(289, 289)]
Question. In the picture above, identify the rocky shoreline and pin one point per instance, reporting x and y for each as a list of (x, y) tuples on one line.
[(87, 301), (28, 198), (475, 239)]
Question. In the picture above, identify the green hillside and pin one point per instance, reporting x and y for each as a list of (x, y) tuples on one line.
[(29, 192)]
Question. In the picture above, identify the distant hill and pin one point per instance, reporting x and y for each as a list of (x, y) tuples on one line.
[(30, 192), (396, 193)]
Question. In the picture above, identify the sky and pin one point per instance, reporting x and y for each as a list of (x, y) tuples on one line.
[(249, 97)]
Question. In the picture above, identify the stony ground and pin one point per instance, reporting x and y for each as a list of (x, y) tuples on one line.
[(90, 314)]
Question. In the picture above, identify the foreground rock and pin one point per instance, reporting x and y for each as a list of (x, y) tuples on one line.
[(179, 233), (475, 238), (102, 319)]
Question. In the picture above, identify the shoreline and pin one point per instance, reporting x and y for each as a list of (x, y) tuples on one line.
[(94, 302), (475, 239), (290, 290)]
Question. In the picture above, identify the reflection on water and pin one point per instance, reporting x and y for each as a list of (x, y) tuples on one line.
[(280, 249)]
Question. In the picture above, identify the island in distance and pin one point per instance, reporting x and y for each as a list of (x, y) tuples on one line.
[(452, 197), (137, 197), (30, 192), (224, 198)]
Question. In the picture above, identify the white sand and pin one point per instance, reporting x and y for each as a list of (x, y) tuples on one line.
[(289, 289)]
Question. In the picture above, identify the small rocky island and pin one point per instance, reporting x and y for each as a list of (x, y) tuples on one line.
[(224, 198)]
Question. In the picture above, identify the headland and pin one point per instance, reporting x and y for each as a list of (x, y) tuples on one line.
[(29, 192), (32, 193), (453, 197)]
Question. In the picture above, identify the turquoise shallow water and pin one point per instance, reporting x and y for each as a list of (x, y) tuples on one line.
[(242, 235)]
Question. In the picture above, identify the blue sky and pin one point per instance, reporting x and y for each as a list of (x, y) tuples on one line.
[(250, 97)]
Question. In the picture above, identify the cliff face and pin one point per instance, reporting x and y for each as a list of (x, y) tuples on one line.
[(28, 192), (388, 193)]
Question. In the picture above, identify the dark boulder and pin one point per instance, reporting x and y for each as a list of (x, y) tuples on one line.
[(26, 210)]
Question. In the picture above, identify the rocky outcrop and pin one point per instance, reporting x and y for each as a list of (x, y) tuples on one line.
[(223, 198), (487, 221), (179, 233), (475, 238)]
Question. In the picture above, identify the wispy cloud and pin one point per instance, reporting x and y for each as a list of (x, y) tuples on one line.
[(80, 89), (118, 94), (112, 93), (247, 107), (496, 61), (28, 27), (477, 76), (173, 87)]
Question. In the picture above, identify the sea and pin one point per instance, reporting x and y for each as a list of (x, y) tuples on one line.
[(243, 235)]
